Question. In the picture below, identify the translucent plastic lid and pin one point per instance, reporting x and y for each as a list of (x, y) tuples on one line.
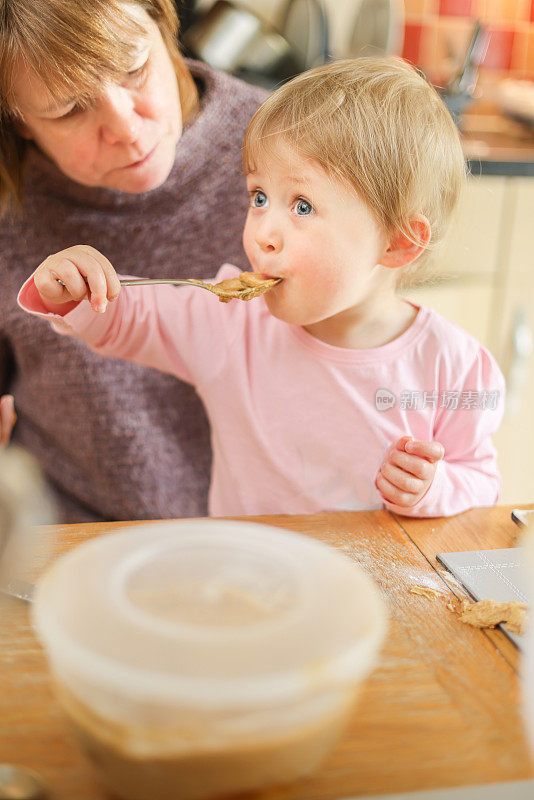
[(218, 612)]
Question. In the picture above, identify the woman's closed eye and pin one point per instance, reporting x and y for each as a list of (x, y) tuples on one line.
[(76, 108), (259, 199), (137, 76), (134, 78), (303, 208)]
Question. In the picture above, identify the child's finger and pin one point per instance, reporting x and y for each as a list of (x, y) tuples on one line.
[(8, 418), (402, 442), (433, 451), (112, 279), (392, 494), (72, 281), (92, 266), (58, 280), (402, 480), (420, 467)]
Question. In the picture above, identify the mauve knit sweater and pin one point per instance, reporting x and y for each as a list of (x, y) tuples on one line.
[(118, 441)]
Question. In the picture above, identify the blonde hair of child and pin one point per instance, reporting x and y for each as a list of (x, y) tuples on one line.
[(379, 126), (72, 47)]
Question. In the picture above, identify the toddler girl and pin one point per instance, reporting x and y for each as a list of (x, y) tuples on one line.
[(330, 391)]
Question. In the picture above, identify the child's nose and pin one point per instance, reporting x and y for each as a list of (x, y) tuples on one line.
[(269, 237)]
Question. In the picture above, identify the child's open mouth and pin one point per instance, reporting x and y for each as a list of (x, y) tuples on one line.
[(246, 286)]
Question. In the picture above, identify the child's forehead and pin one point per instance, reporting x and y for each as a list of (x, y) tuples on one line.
[(282, 159)]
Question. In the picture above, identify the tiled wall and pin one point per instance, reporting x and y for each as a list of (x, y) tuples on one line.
[(437, 33)]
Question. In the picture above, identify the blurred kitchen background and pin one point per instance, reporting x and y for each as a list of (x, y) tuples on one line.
[(436, 32), (433, 34), (480, 55)]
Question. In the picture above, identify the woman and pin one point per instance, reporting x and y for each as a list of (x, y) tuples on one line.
[(109, 137)]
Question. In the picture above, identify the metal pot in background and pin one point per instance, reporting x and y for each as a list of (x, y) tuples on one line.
[(237, 40), (309, 33), (231, 38)]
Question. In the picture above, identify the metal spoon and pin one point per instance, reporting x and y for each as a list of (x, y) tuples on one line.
[(226, 290), (19, 783)]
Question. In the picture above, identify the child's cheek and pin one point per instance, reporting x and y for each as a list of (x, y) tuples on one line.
[(317, 272), (248, 240)]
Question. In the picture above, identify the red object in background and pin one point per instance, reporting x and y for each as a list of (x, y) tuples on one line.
[(499, 53), (532, 10), (412, 42), (455, 8)]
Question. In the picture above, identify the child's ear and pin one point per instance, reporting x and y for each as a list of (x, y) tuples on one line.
[(401, 250)]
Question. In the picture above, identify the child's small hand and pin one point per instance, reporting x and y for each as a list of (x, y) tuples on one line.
[(83, 272), (8, 418), (408, 470)]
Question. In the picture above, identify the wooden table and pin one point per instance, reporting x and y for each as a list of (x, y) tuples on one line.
[(441, 709)]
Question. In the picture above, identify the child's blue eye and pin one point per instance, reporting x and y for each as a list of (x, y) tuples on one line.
[(303, 208), (260, 200)]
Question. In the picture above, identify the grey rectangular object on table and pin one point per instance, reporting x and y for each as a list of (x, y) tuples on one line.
[(498, 575)]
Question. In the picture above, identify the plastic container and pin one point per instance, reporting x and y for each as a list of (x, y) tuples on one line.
[(200, 658)]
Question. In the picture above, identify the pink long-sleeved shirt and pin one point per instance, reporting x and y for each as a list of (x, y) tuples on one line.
[(299, 426)]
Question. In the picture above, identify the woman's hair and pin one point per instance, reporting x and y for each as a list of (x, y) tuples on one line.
[(377, 125), (72, 45)]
